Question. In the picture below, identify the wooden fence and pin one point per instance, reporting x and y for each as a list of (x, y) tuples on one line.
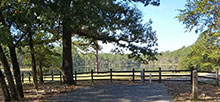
[(133, 75)]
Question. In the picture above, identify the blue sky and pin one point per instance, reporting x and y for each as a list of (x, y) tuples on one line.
[(170, 32)]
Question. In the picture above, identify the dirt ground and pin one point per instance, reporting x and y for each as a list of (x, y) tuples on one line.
[(44, 91), (180, 91), (154, 92)]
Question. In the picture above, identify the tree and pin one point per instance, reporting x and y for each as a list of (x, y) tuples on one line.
[(16, 70), (8, 73), (102, 21), (33, 60), (30, 19), (106, 21), (7, 39), (202, 53), (46, 56), (97, 47), (203, 15), (4, 87)]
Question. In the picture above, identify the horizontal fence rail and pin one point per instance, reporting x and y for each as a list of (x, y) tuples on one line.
[(143, 75)]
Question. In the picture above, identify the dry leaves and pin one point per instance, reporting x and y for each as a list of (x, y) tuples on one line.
[(181, 92), (45, 91)]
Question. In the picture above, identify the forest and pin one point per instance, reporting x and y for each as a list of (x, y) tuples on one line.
[(65, 35), (182, 58), (204, 53)]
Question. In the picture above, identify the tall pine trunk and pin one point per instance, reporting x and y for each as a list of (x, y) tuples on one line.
[(97, 56), (8, 74), (67, 48), (4, 87), (16, 70), (33, 61), (41, 72)]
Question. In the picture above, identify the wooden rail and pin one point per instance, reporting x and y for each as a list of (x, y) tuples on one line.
[(133, 75)]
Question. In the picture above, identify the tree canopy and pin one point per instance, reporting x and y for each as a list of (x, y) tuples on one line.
[(38, 24), (201, 14), (204, 16)]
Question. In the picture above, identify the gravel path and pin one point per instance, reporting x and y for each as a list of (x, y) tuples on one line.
[(117, 93)]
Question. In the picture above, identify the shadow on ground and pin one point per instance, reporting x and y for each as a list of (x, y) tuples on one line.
[(117, 93)]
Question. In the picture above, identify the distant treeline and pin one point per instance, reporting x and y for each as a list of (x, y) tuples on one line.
[(205, 53)]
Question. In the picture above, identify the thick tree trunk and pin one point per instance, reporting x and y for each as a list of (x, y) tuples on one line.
[(67, 49), (33, 61), (41, 72), (8, 74), (67, 57), (4, 87), (16, 70)]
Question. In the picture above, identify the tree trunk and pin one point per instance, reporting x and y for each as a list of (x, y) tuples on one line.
[(97, 56), (33, 61), (16, 70), (41, 72), (67, 49), (8, 74), (67, 57), (4, 87)]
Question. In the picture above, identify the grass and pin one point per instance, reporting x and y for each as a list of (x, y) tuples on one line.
[(27, 69), (88, 76)]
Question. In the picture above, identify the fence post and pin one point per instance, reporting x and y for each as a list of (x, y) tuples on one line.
[(60, 77), (111, 75), (159, 75), (75, 78), (191, 74), (22, 77), (143, 75), (29, 77), (195, 85), (92, 75), (217, 77), (52, 75), (133, 75)]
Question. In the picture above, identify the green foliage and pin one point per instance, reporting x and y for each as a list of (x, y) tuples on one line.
[(45, 52), (201, 14), (205, 53), (172, 58), (110, 21), (204, 16), (81, 62)]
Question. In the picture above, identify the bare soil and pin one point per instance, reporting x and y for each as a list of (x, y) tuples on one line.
[(181, 92)]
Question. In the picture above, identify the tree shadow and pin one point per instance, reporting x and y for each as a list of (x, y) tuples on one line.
[(118, 93)]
